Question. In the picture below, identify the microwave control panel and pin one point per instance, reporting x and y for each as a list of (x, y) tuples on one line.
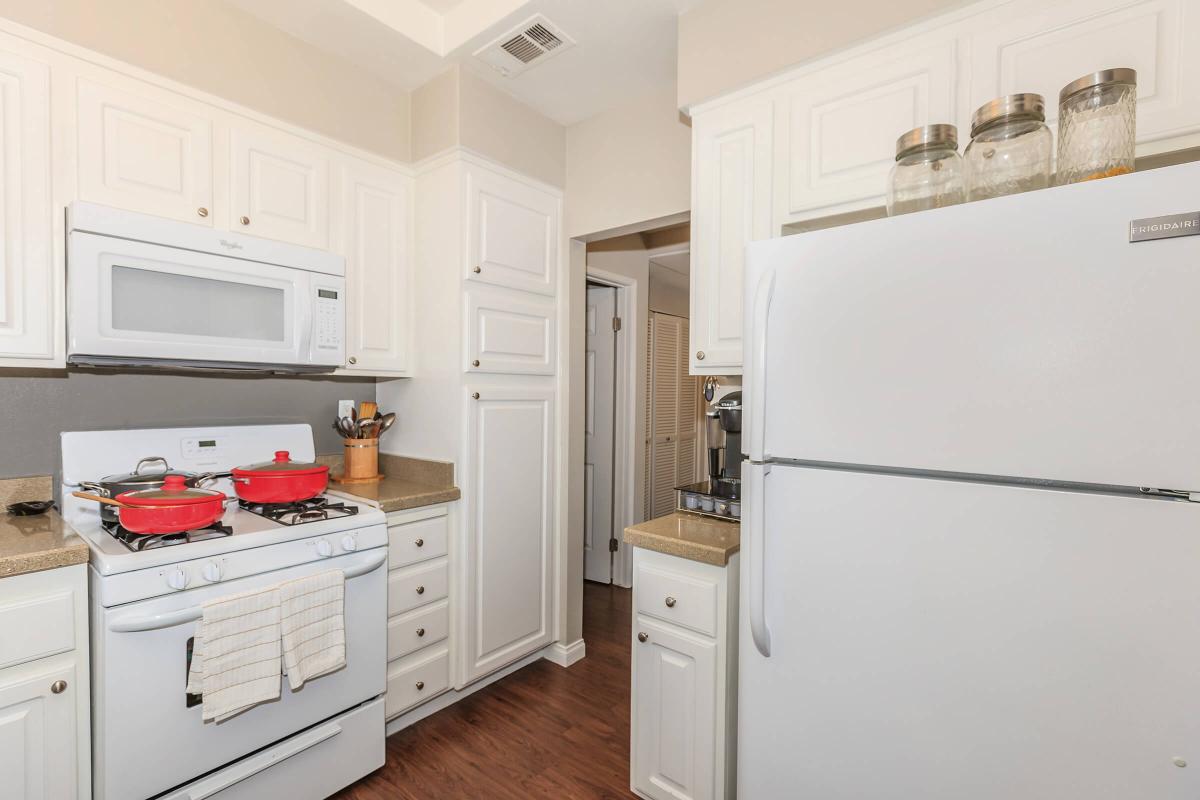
[(329, 322)]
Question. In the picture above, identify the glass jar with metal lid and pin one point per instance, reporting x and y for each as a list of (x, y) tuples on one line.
[(928, 172), (1097, 126), (1010, 149)]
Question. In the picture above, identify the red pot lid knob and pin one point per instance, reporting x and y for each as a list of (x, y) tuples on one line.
[(282, 456), (174, 483)]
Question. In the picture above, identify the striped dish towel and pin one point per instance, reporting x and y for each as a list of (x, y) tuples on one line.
[(313, 626), (236, 652)]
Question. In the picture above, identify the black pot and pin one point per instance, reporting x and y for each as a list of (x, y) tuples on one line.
[(142, 477)]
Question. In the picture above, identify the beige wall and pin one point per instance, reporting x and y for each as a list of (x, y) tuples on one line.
[(628, 165), (725, 44), (218, 49)]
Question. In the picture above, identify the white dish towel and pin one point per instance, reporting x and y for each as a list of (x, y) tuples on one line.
[(236, 652), (313, 625)]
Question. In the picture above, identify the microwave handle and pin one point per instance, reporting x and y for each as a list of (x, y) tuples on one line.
[(169, 619)]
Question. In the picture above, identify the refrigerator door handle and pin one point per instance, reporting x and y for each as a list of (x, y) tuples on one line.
[(757, 366), (754, 540)]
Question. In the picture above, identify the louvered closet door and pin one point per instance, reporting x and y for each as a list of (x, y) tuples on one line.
[(672, 415), (647, 411)]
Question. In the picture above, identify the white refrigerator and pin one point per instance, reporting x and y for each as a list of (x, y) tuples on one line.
[(971, 559)]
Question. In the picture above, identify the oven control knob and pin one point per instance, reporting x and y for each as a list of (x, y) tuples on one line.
[(177, 579), (324, 548), (349, 544), (211, 572)]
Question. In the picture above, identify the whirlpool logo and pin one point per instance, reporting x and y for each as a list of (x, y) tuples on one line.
[(1166, 227), (230, 245)]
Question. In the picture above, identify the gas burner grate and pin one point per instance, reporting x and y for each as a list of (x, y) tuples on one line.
[(151, 541), (301, 511)]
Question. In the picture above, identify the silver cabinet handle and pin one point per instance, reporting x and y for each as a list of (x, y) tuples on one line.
[(670, 602), (478, 270), (420, 685), (58, 687), (699, 355), (244, 220), (475, 395), (475, 363), (643, 637), (419, 542), (420, 631), (420, 590), (202, 211), (353, 360)]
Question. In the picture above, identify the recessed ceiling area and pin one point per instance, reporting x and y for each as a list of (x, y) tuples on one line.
[(623, 48)]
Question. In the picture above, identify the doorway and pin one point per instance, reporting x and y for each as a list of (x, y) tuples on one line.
[(600, 373)]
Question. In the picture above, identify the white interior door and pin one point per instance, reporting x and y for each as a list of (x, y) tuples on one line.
[(948, 640), (598, 433)]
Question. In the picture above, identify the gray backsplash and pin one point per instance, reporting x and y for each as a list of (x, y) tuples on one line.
[(36, 405)]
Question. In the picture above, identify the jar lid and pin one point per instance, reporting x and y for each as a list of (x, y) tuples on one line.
[(941, 135), (1027, 104), (1120, 76)]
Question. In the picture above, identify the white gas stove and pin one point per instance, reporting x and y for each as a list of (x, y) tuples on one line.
[(147, 593)]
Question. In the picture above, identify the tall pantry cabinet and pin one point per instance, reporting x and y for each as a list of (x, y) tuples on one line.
[(488, 260)]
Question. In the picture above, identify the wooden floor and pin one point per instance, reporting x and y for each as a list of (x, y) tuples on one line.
[(542, 732)]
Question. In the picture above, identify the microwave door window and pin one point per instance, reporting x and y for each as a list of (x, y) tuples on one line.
[(148, 301)]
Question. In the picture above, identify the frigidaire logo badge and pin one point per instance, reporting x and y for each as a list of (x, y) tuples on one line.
[(1167, 227)]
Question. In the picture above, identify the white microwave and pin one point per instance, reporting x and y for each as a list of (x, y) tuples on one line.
[(150, 292)]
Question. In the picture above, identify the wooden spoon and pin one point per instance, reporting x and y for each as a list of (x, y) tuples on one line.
[(108, 501), (367, 409)]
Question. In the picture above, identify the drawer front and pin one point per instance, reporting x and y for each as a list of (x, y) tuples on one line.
[(36, 627), (415, 679), (509, 335), (413, 542), (418, 628), (416, 586), (683, 600)]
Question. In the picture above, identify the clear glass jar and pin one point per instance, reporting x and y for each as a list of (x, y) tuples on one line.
[(928, 172), (1097, 126), (1011, 148)]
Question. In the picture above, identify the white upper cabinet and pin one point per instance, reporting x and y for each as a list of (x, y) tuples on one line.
[(731, 206), (144, 149), (507, 334), (374, 233), (512, 233), (278, 185), (27, 276)]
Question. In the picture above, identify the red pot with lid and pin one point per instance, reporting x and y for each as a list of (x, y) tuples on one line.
[(172, 508), (280, 480)]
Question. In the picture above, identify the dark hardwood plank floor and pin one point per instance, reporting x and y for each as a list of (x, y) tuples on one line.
[(542, 732)]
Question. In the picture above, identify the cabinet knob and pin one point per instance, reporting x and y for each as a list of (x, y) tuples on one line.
[(244, 220), (419, 542), (420, 590), (478, 270), (475, 395), (420, 685), (58, 687), (202, 211), (353, 360), (420, 631), (643, 637), (670, 602), (699, 355), (475, 363)]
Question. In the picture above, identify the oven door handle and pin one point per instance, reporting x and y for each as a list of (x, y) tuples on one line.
[(168, 619)]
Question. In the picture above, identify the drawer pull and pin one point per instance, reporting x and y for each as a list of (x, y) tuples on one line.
[(475, 363), (419, 542), (670, 601), (420, 631), (202, 211), (643, 637), (58, 687), (478, 270), (244, 220), (420, 590), (420, 685)]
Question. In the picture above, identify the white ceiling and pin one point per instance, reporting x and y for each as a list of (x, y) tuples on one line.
[(624, 48)]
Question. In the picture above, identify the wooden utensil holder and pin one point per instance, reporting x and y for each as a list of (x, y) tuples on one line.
[(361, 459)]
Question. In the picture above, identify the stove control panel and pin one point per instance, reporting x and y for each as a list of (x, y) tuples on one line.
[(177, 578), (211, 571), (324, 548), (202, 449)]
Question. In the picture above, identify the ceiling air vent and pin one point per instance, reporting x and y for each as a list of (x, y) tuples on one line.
[(533, 41)]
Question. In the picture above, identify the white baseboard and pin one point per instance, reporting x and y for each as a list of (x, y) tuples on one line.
[(564, 655)]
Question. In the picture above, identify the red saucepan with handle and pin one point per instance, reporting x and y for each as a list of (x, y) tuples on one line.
[(280, 481), (173, 508)]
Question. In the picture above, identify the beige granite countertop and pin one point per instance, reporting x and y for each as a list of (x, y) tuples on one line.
[(691, 536), (408, 483), (30, 544)]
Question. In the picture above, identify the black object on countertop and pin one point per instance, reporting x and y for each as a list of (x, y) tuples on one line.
[(30, 508)]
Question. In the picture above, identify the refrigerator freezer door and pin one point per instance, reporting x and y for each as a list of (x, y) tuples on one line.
[(1021, 336), (946, 640)]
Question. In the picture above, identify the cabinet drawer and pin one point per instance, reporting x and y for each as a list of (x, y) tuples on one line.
[(508, 334), (683, 600), (36, 627), (417, 678), (416, 629), (417, 586), (412, 542)]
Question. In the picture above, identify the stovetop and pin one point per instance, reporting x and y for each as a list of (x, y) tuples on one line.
[(142, 541), (302, 511)]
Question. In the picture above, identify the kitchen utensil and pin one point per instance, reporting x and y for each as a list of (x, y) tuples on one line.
[(346, 427), (30, 508), (172, 508), (388, 420), (280, 480), (367, 409), (361, 459), (108, 501), (365, 429), (149, 473)]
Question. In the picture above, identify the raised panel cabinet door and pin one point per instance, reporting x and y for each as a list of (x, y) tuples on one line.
[(279, 185), (508, 333), (27, 281), (376, 211), (509, 532), (673, 728), (842, 123), (145, 150), (1032, 46), (731, 206), (513, 232), (37, 731)]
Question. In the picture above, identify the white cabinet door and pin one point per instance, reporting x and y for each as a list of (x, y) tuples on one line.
[(37, 731), (674, 713), (512, 233), (279, 185), (376, 212), (509, 531), (28, 313), (839, 125), (509, 333), (731, 205), (144, 149)]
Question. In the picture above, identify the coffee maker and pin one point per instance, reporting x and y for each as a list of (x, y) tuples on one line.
[(725, 445)]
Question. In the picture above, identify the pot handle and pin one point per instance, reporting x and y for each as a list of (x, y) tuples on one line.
[(95, 488), (209, 477), (150, 460)]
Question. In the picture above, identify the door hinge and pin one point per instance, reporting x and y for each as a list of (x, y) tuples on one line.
[(616, 323), (612, 545)]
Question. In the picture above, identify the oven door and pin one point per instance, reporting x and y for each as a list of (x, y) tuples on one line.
[(148, 735), (142, 303)]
